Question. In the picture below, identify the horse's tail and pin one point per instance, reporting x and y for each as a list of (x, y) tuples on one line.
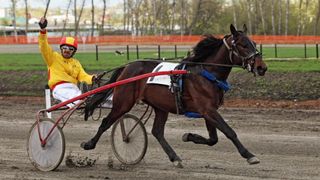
[(94, 101)]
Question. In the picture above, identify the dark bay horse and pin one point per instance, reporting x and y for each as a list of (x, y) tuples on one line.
[(215, 56)]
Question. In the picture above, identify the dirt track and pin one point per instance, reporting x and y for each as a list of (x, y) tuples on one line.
[(287, 141)]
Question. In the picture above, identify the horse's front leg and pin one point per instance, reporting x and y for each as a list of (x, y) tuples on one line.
[(197, 139), (158, 132), (216, 120)]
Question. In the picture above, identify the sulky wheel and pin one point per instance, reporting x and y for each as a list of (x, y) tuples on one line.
[(129, 139), (49, 157)]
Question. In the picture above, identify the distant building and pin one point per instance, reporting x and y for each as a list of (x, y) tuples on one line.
[(60, 19), (4, 12)]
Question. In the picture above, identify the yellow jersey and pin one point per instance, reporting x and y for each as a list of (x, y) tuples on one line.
[(61, 69)]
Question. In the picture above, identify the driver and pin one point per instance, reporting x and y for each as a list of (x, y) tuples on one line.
[(64, 71)]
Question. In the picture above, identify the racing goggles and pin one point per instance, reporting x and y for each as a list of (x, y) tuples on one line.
[(69, 48)]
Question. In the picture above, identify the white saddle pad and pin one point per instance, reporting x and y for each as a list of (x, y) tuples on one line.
[(163, 79)]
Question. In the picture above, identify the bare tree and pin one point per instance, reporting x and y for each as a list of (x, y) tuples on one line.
[(66, 19), (79, 18), (315, 28), (299, 18), (287, 17), (137, 16), (205, 16), (92, 18), (173, 15), (155, 16), (14, 22), (133, 15), (279, 17), (27, 15), (272, 18), (304, 19), (75, 14), (125, 14), (249, 5), (196, 17), (103, 16), (145, 18), (129, 17), (262, 16), (234, 13)]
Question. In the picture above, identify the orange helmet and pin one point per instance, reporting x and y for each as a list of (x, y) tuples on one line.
[(70, 41)]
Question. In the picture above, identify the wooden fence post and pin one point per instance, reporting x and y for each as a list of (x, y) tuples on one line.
[(317, 51), (137, 49), (97, 53), (305, 50), (158, 51), (175, 51), (128, 52)]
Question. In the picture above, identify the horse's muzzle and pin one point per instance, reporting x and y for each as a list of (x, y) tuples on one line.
[(261, 70)]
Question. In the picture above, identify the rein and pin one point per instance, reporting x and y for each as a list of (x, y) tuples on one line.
[(210, 64), (192, 63)]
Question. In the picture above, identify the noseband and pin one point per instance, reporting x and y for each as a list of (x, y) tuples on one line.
[(245, 59)]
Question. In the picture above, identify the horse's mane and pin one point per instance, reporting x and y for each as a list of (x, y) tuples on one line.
[(208, 46)]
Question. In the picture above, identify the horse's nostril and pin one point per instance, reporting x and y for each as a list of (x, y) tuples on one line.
[(261, 70)]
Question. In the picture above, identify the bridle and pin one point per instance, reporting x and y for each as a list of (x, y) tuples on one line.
[(247, 61)]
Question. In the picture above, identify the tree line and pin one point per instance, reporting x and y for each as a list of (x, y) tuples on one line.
[(196, 17)]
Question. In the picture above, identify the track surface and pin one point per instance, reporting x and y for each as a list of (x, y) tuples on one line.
[(287, 141)]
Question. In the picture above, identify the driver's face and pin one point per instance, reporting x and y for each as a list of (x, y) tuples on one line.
[(67, 51)]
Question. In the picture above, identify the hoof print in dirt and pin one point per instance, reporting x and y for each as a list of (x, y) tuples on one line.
[(123, 167), (79, 161), (110, 163)]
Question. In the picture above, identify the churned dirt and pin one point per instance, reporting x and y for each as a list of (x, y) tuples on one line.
[(284, 135)]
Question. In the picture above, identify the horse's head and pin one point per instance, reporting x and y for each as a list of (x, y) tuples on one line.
[(243, 51)]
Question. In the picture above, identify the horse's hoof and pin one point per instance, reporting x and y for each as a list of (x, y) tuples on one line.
[(185, 137), (87, 145), (178, 164), (253, 160)]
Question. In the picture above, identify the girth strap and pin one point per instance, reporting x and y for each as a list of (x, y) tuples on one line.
[(177, 84)]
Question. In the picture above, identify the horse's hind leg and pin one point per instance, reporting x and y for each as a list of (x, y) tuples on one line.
[(216, 120), (105, 124), (158, 132), (197, 139), (118, 110)]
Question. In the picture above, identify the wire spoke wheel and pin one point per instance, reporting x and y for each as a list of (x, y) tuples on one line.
[(49, 157), (129, 139)]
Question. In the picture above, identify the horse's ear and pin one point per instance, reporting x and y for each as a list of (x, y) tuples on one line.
[(233, 30), (245, 28)]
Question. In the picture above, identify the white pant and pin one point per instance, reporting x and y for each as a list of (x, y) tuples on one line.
[(66, 91)]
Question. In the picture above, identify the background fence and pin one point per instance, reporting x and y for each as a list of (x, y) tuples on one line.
[(271, 51), (172, 39), (130, 46)]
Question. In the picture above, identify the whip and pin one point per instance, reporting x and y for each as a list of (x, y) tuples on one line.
[(47, 7)]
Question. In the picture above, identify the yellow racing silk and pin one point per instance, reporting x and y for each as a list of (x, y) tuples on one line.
[(61, 69)]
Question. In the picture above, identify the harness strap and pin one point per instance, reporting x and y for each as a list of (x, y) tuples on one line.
[(193, 115), (229, 49), (224, 85), (176, 89), (226, 44)]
